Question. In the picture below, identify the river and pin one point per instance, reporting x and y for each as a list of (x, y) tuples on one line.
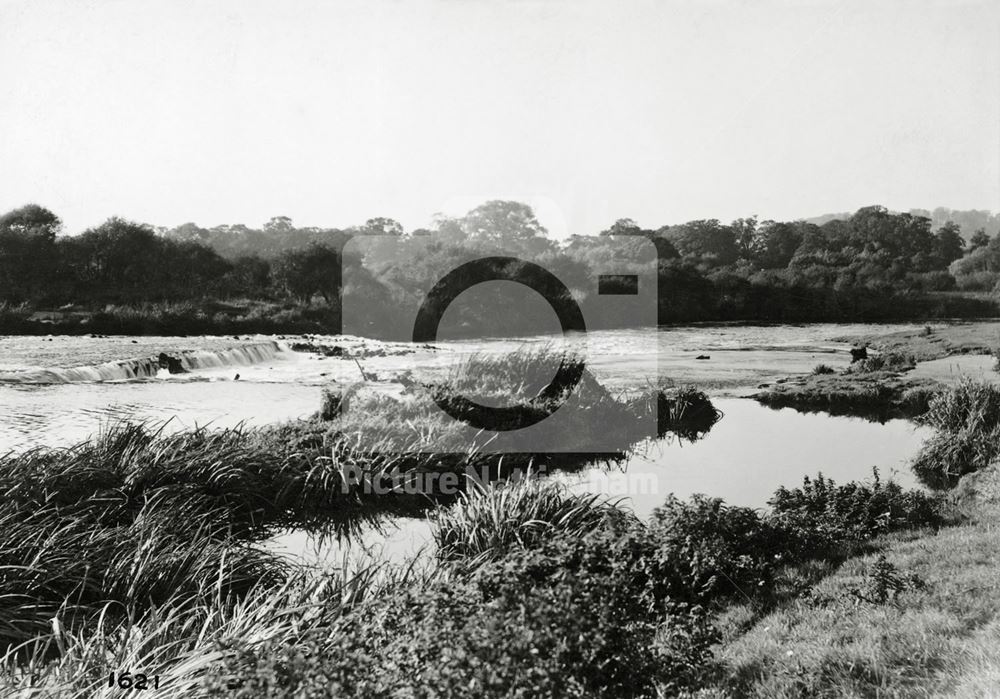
[(60, 390)]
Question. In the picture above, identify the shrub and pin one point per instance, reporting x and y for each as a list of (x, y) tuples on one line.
[(883, 583), (576, 616), (822, 515), (821, 369), (707, 550)]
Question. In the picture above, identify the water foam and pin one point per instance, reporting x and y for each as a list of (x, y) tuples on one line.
[(149, 367)]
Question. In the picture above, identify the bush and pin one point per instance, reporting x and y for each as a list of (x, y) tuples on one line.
[(574, 617), (821, 515), (821, 369), (708, 551), (883, 583)]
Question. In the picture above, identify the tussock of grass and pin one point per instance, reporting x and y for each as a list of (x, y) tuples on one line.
[(966, 420), (888, 361), (488, 521)]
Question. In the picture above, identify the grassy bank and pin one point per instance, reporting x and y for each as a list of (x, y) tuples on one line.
[(933, 341), (884, 385), (877, 388)]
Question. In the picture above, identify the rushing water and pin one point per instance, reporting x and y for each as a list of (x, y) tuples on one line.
[(61, 390)]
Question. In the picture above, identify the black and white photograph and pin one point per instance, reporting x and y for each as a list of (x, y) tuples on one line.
[(500, 349)]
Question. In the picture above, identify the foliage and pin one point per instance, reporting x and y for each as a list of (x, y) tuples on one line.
[(873, 265), (709, 551), (824, 514), (573, 617), (883, 582), (821, 369), (888, 361)]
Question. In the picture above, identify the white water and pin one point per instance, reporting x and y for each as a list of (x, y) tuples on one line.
[(147, 367)]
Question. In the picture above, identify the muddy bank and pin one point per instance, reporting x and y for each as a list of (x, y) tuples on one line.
[(921, 361)]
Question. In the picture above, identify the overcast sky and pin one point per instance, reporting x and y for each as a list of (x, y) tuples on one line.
[(334, 112)]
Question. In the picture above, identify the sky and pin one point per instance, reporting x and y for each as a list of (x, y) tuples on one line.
[(335, 112)]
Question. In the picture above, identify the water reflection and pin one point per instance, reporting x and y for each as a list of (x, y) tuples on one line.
[(747, 455)]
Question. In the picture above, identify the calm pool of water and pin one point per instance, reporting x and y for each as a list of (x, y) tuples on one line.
[(748, 454)]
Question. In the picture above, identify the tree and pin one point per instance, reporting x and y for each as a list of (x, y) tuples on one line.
[(949, 244), (278, 224), (382, 226), (623, 226), (746, 236), (502, 222), (313, 270), (707, 243), (27, 251), (779, 241), (979, 239)]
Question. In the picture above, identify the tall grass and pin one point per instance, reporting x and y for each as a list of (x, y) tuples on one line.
[(489, 520), (888, 361), (966, 423)]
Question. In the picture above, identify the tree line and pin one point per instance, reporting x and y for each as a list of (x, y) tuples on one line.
[(874, 264)]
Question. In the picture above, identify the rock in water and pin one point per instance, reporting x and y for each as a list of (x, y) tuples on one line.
[(171, 364)]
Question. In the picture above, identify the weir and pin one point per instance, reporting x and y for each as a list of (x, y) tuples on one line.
[(149, 367)]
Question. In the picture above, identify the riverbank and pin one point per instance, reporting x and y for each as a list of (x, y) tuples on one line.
[(905, 368), (916, 615), (206, 317)]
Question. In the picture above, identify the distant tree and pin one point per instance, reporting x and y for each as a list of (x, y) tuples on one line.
[(278, 224), (189, 231), (746, 236), (382, 226), (979, 239), (27, 251), (778, 242), (623, 226), (502, 222), (706, 243), (310, 271), (250, 276), (125, 261), (949, 244)]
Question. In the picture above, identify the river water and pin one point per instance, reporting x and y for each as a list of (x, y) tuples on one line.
[(61, 390)]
